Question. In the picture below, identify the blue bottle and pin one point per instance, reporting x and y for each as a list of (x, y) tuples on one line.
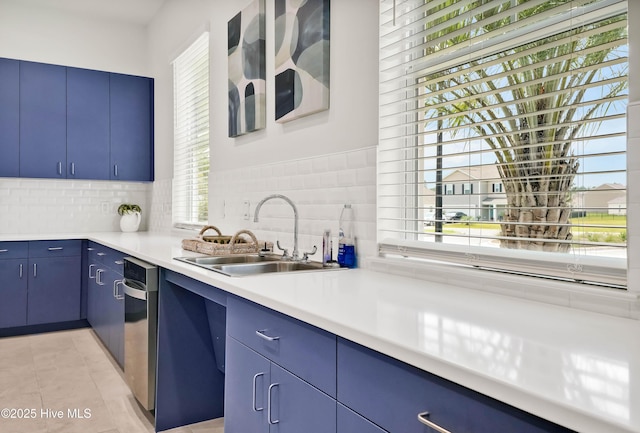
[(346, 239)]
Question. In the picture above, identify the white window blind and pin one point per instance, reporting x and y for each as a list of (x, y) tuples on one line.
[(521, 104), (191, 133)]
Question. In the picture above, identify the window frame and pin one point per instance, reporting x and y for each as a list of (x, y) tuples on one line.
[(191, 112), (525, 263)]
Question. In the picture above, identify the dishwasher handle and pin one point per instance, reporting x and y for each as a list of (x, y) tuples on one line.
[(134, 292)]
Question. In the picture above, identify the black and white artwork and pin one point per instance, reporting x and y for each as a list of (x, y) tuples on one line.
[(301, 57), (247, 71)]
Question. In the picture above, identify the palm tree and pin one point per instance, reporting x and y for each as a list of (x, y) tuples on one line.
[(529, 105)]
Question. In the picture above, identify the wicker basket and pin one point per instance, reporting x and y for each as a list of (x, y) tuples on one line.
[(221, 245)]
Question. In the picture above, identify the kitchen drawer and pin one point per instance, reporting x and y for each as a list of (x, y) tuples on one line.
[(304, 350), (351, 422), (392, 394), (65, 248), (14, 250), (112, 259)]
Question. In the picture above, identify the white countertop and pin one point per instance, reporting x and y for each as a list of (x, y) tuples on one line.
[(575, 368)]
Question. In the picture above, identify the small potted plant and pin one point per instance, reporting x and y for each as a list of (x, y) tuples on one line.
[(130, 217)]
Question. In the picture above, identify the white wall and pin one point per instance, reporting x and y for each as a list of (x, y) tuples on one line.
[(51, 36), (350, 123), (321, 161)]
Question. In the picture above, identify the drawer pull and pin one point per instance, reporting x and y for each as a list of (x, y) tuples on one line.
[(102, 254), (56, 248), (253, 404), (422, 417), (271, 421), (21, 271), (264, 336), (4, 251), (119, 262), (99, 277), (94, 275)]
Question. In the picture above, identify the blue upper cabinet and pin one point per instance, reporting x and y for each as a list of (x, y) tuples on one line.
[(87, 124), (43, 125), (9, 118), (131, 128)]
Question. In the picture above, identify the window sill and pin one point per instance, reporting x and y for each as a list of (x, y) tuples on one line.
[(613, 302)]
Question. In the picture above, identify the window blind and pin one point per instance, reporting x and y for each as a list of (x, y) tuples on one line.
[(513, 113), (191, 134)]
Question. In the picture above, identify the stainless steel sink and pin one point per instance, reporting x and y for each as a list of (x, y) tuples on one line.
[(245, 265), (223, 260)]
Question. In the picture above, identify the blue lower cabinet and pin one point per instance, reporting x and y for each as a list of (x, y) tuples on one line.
[(248, 376), (351, 422), (296, 406), (105, 303), (392, 395), (13, 293), (54, 290), (261, 396)]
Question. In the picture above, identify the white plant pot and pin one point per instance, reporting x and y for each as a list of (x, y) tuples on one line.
[(130, 222)]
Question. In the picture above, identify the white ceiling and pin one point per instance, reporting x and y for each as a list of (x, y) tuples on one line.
[(132, 11)]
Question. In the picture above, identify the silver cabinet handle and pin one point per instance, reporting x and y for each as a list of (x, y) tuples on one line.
[(59, 168), (119, 262), (35, 270), (115, 289), (264, 336), (422, 417), (56, 248), (73, 168), (21, 270), (115, 170), (253, 404), (102, 254), (91, 266), (4, 251), (99, 277), (271, 420)]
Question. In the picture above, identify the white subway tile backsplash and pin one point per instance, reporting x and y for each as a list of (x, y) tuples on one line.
[(318, 186), (65, 206)]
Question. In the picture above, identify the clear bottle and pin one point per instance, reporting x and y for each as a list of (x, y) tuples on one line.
[(346, 240)]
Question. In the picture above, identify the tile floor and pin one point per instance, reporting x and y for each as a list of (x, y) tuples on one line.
[(48, 381)]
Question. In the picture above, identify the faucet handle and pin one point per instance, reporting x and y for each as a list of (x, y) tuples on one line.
[(305, 256), (285, 254)]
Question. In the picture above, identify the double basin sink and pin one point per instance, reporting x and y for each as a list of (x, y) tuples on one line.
[(251, 264)]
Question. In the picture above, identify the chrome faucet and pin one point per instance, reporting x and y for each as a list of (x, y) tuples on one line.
[(295, 255)]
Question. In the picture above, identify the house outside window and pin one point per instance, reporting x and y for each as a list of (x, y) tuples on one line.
[(533, 90), (449, 189)]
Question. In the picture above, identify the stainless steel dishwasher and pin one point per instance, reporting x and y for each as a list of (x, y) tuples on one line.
[(140, 329)]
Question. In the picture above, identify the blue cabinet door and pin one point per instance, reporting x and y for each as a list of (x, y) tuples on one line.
[(131, 128), (87, 124), (393, 394), (114, 304), (351, 422), (297, 406), (13, 293), (9, 118), (93, 301), (54, 290), (247, 381), (43, 125)]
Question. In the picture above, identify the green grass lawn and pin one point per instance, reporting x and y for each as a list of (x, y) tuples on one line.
[(585, 228)]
